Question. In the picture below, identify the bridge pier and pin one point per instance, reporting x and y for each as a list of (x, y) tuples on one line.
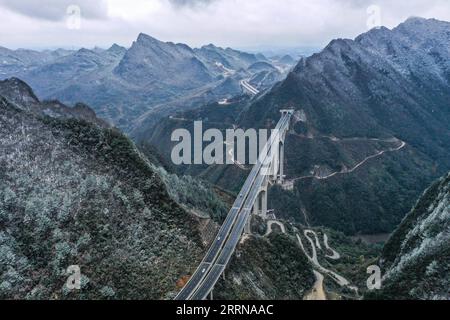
[(282, 141), (263, 196), (256, 205), (281, 175), (248, 225), (274, 174)]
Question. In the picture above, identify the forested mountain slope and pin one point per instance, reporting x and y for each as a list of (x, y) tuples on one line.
[(75, 193), (416, 259)]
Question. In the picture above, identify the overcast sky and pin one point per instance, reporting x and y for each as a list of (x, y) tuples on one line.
[(235, 23)]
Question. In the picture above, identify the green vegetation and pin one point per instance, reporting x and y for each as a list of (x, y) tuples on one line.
[(355, 257), (195, 195), (269, 269), (72, 193), (372, 200), (416, 259)]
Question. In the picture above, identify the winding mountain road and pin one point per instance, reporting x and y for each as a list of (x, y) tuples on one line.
[(347, 171), (335, 255), (315, 261), (317, 292), (270, 223)]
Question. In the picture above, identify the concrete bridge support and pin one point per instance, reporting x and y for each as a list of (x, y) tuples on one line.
[(259, 209), (248, 225), (281, 170), (256, 205), (274, 174), (263, 196)]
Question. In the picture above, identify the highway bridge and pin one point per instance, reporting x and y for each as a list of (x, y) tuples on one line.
[(249, 88), (252, 199)]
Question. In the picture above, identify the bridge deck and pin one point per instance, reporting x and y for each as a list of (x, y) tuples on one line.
[(221, 250)]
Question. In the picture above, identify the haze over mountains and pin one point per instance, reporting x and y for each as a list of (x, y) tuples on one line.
[(123, 85)]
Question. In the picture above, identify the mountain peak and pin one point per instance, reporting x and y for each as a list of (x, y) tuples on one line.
[(115, 46), (145, 38), (415, 19), (337, 45), (415, 24), (210, 47), (84, 51), (18, 92), (116, 49), (375, 33), (16, 82), (287, 59)]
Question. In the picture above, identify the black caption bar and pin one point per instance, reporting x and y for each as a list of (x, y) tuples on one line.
[(284, 310)]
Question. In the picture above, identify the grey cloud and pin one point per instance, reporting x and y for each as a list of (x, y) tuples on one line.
[(191, 3), (55, 10), (234, 23)]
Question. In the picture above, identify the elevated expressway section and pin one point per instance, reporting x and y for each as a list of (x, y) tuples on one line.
[(252, 196)]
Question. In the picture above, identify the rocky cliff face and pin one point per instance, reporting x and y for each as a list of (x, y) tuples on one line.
[(150, 60)]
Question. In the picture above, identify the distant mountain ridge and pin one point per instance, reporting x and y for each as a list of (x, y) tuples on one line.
[(13, 62), (19, 93), (130, 87)]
